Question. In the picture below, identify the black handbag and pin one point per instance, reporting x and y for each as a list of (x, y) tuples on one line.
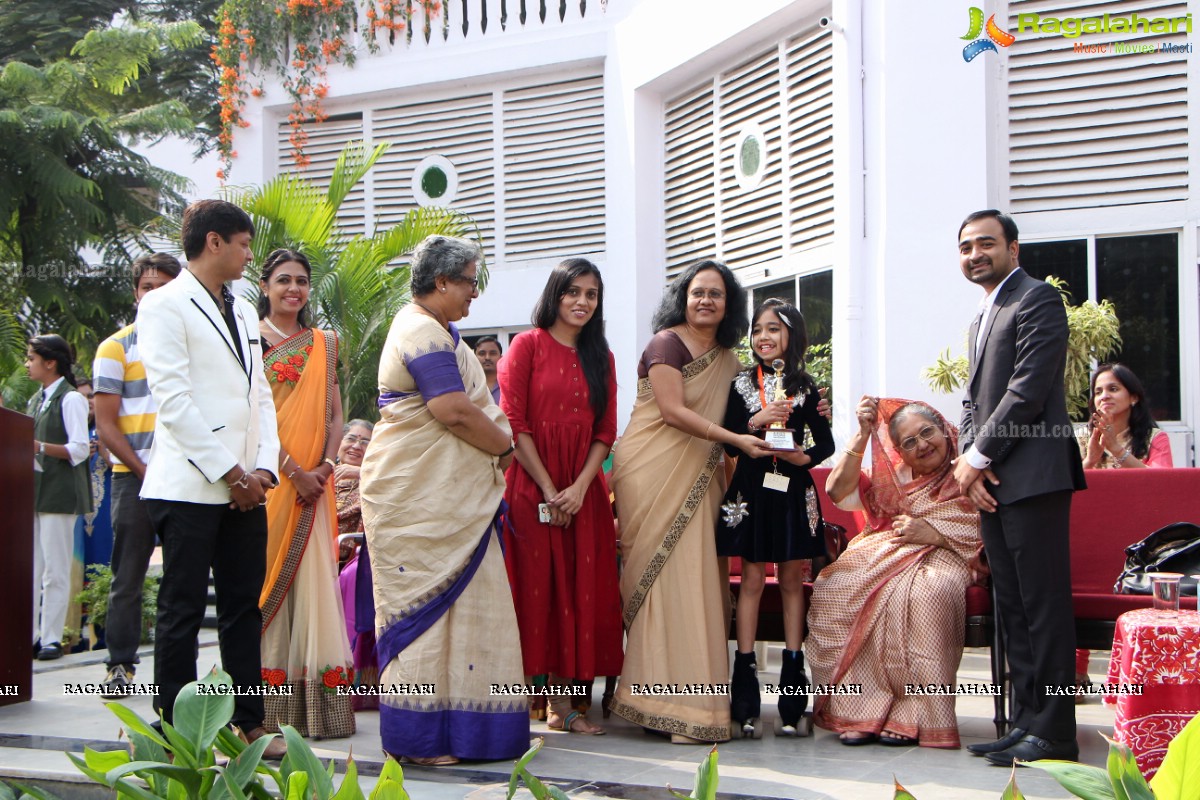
[(835, 540), (1175, 548)]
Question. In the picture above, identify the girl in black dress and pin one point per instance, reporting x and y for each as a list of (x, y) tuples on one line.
[(770, 513)]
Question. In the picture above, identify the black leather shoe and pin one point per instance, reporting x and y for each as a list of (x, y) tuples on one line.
[(1033, 748), (1003, 743)]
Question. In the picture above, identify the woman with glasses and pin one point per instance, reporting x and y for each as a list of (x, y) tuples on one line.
[(888, 614), (304, 646), (432, 485), (355, 577), (668, 482)]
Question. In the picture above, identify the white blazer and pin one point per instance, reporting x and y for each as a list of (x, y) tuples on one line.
[(214, 409)]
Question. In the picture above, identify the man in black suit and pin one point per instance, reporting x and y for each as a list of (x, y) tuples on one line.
[(1019, 465)]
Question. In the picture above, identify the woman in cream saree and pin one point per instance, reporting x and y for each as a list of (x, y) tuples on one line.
[(445, 625)]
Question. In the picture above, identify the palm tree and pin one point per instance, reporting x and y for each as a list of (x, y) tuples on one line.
[(358, 282), (69, 178)]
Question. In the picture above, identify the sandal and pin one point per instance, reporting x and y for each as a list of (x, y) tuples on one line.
[(433, 761), (568, 724), (857, 741), (895, 740)]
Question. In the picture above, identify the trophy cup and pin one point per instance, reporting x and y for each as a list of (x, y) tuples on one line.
[(776, 436)]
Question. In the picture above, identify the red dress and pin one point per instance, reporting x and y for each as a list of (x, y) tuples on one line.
[(564, 580)]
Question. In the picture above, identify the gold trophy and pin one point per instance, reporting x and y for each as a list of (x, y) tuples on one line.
[(776, 436)]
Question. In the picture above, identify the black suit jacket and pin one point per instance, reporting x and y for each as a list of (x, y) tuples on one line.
[(1015, 409)]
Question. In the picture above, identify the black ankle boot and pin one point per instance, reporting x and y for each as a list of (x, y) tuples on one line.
[(793, 700), (744, 701)]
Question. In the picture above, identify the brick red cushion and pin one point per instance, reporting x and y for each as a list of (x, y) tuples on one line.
[(1119, 508)]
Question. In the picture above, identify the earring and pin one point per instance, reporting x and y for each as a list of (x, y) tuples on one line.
[(443, 289)]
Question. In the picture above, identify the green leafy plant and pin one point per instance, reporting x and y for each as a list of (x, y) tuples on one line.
[(94, 597), (358, 282), (1094, 335), (181, 762), (706, 780), (522, 775), (1120, 778)]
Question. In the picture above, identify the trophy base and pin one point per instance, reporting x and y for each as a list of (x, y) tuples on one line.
[(780, 439)]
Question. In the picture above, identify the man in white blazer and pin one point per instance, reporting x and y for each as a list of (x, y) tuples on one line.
[(214, 456)]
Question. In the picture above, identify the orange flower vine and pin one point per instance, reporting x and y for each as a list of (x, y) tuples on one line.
[(298, 40)]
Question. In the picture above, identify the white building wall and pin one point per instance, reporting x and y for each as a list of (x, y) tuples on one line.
[(918, 145)]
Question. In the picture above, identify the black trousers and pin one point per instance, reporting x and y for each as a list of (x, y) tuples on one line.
[(133, 544), (195, 538), (1028, 551)]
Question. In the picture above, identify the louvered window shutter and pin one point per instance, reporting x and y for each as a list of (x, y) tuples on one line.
[(690, 187), (810, 140), (325, 143), (460, 129), (786, 95), (553, 169), (751, 219), (1088, 130)]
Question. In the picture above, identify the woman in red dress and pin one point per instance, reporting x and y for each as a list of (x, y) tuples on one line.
[(558, 389)]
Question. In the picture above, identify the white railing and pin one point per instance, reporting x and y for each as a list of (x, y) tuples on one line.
[(480, 20)]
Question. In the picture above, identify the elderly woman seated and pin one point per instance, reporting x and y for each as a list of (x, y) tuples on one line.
[(889, 612), (355, 578)]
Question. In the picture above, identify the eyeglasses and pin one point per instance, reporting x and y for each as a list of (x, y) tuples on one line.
[(473, 281), (925, 434), (352, 440), (715, 295)]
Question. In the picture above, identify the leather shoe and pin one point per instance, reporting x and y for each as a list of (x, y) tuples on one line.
[(1034, 748), (1003, 743), (275, 751)]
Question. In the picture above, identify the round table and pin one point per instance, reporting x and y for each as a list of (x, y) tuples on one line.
[(1158, 651)]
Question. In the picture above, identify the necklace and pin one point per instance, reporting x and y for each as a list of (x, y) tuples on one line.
[(278, 332), (430, 313)]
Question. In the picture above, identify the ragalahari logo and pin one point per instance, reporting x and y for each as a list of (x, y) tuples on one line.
[(994, 35)]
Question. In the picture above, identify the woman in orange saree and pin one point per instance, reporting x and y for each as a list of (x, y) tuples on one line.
[(304, 644)]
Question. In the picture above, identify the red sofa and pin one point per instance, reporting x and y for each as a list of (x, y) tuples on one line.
[(1119, 508)]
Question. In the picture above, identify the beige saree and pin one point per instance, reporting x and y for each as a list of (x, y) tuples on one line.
[(671, 588), (444, 617)]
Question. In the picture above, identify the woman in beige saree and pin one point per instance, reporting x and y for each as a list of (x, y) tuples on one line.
[(304, 643), (431, 487), (664, 471), (889, 612)]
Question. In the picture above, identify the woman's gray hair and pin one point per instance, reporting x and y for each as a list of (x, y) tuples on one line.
[(912, 408), (357, 423), (441, 256)]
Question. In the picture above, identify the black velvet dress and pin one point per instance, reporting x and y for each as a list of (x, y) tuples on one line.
[(765, 525)]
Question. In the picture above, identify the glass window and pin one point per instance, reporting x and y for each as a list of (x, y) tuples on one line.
[(1140, 275), (816, 304), (1066, 260), (784, 290)]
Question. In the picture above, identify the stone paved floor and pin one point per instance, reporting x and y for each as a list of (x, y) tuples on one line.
[(624, 764)]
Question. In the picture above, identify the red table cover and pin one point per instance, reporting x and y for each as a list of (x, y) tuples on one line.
[(1159, 651)]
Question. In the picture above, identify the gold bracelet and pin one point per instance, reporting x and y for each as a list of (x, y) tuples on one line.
[(332, 464), (854, 453), (708, 430)]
